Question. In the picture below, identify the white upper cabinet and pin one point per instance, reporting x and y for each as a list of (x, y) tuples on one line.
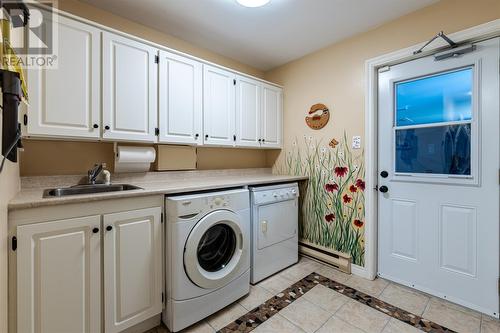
[(59, 276), (65, 101), (272, 116), (130, 89), (218, 106), (181, 111), (248, 112), (132, 268)]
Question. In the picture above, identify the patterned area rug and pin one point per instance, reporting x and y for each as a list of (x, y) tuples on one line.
[(272, 306)]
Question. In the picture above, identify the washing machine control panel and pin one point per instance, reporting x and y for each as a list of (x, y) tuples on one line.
[(218, 201)]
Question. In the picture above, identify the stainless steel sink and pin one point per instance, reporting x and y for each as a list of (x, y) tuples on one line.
[(88, 189)]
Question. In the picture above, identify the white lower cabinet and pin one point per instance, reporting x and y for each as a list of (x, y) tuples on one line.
[(59, 281), (59, 276), (132, 268)]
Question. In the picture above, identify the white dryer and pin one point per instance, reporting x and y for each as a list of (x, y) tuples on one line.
[(275, 239), (207, 254)]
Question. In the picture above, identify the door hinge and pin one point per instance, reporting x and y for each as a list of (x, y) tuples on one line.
[(25, 120), (157, 131), (162, 297), (161, 218), (157, 59), (14, 243)]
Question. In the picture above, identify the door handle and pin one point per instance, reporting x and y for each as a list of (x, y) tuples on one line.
[(383, 189)]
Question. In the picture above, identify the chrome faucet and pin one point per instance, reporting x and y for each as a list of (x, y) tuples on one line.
[(94, 173)]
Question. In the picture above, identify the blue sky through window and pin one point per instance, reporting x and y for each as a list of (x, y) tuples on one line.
[(440, 98)]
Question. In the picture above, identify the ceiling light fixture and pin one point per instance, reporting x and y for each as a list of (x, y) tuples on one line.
[(253, 3)]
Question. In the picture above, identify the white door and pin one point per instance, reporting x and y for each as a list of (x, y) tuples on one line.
[(218, 106), (132, 268), (248, 112), (181, 112), (59, 276), (272, 110), (438, 176), (65, 102), (130, 89)]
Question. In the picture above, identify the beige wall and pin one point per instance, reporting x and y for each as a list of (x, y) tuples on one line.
[(42, 158), (9, 186)]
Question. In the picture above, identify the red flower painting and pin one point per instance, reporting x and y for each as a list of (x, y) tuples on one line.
[(330, 217), (341, 171), (360, 184), (331, 187), (358, 223), (353, 189), (346, 198)]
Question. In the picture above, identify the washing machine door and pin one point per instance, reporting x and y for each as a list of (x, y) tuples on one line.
[(214, 250)]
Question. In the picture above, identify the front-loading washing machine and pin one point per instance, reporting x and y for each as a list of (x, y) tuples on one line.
[(207, 252)]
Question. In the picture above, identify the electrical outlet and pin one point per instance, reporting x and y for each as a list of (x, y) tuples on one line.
[(356, 142)]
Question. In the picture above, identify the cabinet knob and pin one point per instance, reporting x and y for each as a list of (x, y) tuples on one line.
[(96, 126), (196, 136), (109, 228), (263, 140), (260, 140), (206, 136), (106, 127), (95, 230)]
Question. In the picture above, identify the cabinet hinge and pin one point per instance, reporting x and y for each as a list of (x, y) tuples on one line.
[(234, 81), (25, 120), (157, 131), (14, 243), (157, 59), (162, 297), (234, 137)]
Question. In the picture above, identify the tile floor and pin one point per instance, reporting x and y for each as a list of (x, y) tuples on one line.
[(323, 310)]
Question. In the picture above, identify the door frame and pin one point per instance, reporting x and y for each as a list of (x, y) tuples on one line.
[(480, 32)]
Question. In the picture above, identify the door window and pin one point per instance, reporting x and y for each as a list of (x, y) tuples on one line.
[(433, 118)]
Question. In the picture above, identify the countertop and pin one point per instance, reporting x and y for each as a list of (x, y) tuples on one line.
[(151, 183)]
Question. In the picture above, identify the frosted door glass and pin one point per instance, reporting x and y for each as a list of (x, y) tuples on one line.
[(434, 99), (436, 150)]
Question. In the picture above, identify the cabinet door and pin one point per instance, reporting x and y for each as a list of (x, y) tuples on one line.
[(65, 101), (272, 119), (130, 89), (219, 107), (132, 268), (59, 276), (248, 106), (181, 118)]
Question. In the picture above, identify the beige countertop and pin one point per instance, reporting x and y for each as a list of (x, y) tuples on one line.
[(31, 194)]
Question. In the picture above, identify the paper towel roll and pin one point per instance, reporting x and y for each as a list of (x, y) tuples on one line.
[(134, 159)]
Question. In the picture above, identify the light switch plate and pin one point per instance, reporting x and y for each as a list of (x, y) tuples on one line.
[(356, 142)]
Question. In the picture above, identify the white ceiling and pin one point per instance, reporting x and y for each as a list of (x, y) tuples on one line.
[(264, 37)]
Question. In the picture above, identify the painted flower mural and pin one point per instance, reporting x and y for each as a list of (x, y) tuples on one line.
[(333, 212)]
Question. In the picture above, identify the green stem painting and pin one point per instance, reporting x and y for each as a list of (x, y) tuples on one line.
[(333, 211)]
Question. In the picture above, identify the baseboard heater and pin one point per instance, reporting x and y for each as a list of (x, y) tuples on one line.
[(339, 260)]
